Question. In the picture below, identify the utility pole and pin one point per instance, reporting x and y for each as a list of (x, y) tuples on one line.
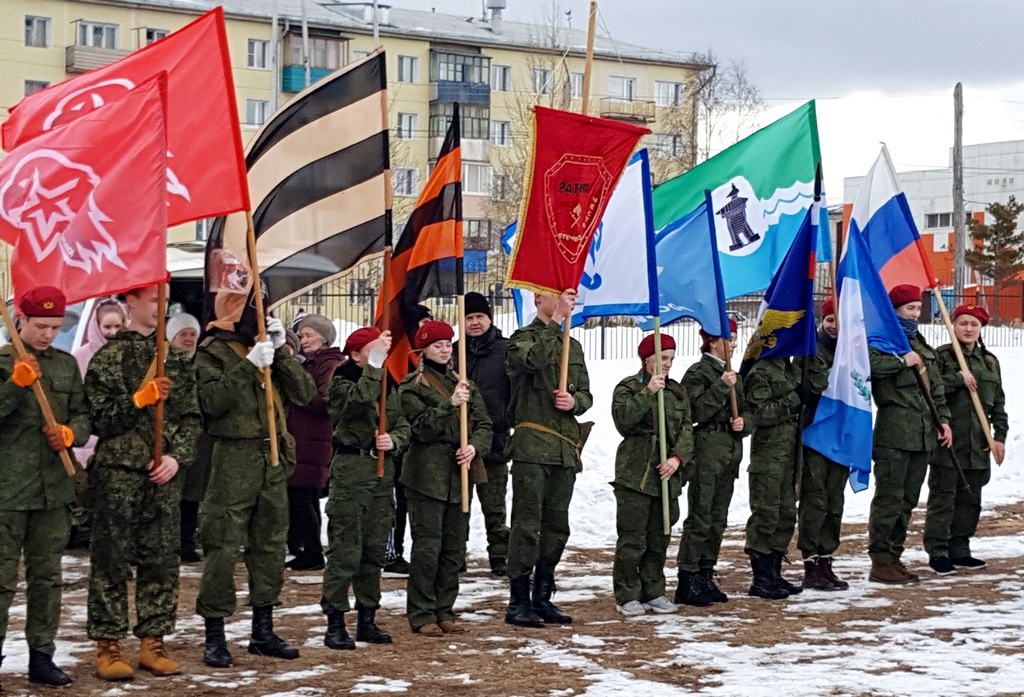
[(959, 222)]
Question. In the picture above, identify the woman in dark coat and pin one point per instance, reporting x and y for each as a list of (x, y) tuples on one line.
[(310, 425)]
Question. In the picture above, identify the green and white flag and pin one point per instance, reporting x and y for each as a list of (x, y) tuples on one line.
[(761, 188)]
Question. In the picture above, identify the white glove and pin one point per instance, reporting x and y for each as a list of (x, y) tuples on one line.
[(377, 358), (275, 332), (261, 354)]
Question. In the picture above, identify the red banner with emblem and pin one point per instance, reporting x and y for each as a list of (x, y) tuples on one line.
[(84, 204), (205, 165), (575, 164)]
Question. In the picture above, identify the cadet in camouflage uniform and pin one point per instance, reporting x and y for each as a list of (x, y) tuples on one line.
[(773, 392), (246, 502), (35, 491), (904, 437), (136, 515), (952, 512), (360, 510), (717, 451), (638, 575), (545, 451), (822, 482)]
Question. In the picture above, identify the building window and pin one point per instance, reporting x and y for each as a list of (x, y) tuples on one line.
[(358, 288), (499, 187), (258, 54), (938, 220), (576, 85), (622, 88), (155, 35), (407, 126), (477, 233), (256, 111), (501, 132), (405, 180), (476, 120), (32, 86), (97, 34), (203, 229), (666, 145), (325, 52), (359, 55), (37, 31), (501, 78), (458, 67), (668, 93), (476, 178), (408, 68), (541, 81)]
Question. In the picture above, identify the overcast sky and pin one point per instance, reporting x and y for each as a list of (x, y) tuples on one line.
[(882, 70)]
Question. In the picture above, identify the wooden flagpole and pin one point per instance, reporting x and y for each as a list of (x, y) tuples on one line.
[(385, 315), (161, 351), (37, 387), (261, 326)]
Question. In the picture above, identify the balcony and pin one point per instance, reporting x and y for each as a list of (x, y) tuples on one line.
[(462, 92), (79, 59), (293, 77), (473, 149), (641, 110)]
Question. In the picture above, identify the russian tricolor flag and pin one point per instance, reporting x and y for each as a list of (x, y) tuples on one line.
[(882, 216)]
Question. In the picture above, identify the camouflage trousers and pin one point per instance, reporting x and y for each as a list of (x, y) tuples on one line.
[(953, 513), (134, 522), (41, 535), (245, 508), (708, 494), (438, 552), (540, 517), (822, 496), (772, 493), (492, 495), (359, 519), (641, 546), (899, 475)]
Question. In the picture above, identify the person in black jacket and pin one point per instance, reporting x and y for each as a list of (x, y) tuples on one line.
[(485, 359)]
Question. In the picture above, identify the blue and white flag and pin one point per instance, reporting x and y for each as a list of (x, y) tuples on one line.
[(689, 276), (841, 430), (619, 277)]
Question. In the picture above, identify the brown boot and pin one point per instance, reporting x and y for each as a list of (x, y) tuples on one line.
[(887, 572), (814, 577), (429, 629), (110, 663), (153, 657), (911, 576), (449, 627)]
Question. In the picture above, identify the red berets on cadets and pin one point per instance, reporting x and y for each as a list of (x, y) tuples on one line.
[(902, 294), (434, 330), (646, 347), (360, 338), (974, 311), (732, 329), (44, 301), (828, 308)]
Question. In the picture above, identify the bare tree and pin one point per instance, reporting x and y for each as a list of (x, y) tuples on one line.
[(728, 105)]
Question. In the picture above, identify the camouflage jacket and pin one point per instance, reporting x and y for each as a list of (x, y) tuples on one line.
[(968, 436), (818, 367), (634, 411), (904, 421), (428, 466), (533, 359), (125, 433), (31, 474), (775, 406), (231, 391), (711, 400), (353, 403)]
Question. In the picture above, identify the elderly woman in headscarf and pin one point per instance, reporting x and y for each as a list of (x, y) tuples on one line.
[(310, 425)]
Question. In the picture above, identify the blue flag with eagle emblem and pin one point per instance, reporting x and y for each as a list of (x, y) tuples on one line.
[(785, 321)]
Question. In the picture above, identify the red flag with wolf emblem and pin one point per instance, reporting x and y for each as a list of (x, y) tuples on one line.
[(575, 165), (205, 166), (85, 204)]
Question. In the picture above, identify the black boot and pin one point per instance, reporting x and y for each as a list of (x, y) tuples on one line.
[(337, 637), (367, 629), (713, 591), (695, 592), (263, 641), (215, 651), (825, 562), (520, 611), (684, 586), (763, 584), (189, 522), (42, 670), (499, 567), (778, 577), (543, 589)]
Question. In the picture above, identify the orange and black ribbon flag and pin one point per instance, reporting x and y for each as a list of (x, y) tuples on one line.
[(427, 261)]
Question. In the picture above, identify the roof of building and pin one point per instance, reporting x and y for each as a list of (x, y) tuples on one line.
[(436, 26)]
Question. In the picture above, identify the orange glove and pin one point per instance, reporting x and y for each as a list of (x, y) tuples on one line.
[(26, 371), (59, 437), (154, 391)]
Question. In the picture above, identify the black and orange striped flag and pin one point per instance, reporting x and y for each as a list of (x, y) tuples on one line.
[(427, 261)]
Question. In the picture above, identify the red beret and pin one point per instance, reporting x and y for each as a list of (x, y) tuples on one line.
[(732, 329), (434, 330), (828, 308), (903, 294), (646, 347), (44, 301), (974, 311), (360, 338)]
